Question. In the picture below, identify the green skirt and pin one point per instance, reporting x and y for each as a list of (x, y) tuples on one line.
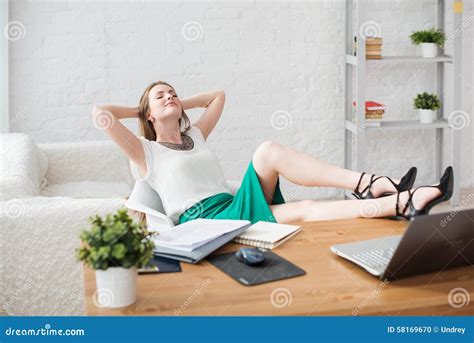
[(248, 203)]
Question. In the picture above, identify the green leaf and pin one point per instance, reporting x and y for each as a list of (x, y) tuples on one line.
[(118, 251), (426, 101), (432, 35), (115, 240)]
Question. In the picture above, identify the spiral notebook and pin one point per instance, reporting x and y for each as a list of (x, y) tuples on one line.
[(267, 235)]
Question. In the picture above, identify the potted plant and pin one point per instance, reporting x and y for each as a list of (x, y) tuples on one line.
[(427, 104), (115, 247), (430, 40)]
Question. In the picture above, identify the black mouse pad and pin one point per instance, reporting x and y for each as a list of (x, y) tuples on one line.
[(272, 269)]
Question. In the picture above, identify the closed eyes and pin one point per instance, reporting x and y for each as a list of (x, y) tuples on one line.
[(174, 96)]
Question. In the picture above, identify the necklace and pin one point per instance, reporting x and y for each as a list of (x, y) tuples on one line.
[(187, 144)]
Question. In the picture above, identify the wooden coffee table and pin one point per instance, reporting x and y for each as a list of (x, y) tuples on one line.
[(332, 285)]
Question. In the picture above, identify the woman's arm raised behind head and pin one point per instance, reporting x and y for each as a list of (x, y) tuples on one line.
[(107, 117), (213, 102)]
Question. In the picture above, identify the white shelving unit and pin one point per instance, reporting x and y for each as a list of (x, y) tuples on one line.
[(357, 65), (4, 98)]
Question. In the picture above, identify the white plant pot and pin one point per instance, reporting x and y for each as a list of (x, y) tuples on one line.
[(426, 116), (429, 50), (116, 287)]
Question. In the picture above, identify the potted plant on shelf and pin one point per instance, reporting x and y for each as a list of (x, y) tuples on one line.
[(427, 104), (115, 247), (430, 40)]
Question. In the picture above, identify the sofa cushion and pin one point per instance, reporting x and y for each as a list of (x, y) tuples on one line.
[(100, 161), (22, 166), (88, 189)]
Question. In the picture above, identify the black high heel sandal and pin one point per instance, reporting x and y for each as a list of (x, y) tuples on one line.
[(446, 188), (406, 183)]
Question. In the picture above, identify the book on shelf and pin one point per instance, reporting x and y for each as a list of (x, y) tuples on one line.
[(373, 53), (374, 114), (373, 41), (371, 116), (373, 48), (371, 105)]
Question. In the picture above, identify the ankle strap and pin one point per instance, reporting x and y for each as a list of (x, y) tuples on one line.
[(356, 190), (389, 179), (407, 204), (369, 186)]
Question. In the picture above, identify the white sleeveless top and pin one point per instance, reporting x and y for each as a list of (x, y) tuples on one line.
[(181, 177)]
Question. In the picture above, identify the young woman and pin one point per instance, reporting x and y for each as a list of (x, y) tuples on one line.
[(172, 156)]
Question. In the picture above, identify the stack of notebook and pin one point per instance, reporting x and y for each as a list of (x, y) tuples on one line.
[(373, 48), (267, 235), (374, 112)]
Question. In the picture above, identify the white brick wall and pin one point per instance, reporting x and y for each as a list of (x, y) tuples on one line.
[(267, 56)]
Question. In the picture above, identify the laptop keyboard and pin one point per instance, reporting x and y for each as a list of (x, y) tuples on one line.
[(375, 258)]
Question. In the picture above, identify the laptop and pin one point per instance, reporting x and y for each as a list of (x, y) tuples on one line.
[(430, 243)]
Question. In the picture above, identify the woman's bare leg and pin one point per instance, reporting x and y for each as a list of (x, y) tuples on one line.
[(311, 210), (272, 159)]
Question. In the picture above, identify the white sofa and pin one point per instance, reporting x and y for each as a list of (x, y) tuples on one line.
[(47, 193)]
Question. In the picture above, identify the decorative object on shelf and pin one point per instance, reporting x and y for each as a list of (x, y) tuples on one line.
[(115, 246), (373, 48), (374, 112), (427, 104), (429, 40)]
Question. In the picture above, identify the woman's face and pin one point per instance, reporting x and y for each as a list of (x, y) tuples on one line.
[(164, 102)]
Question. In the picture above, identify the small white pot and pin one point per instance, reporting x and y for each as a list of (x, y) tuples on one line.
[(429, 50), (116, 287), (427, 116)]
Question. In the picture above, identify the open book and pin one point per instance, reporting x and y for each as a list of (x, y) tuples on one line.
[(193, 234), (267, 235), (195, 239)]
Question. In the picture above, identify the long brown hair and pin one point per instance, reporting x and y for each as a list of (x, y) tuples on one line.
[(148, 131), (146, 126)]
